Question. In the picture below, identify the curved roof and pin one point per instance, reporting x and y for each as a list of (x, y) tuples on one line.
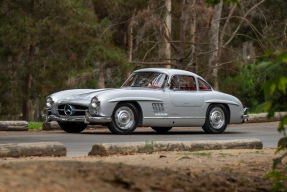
[(168, 71)]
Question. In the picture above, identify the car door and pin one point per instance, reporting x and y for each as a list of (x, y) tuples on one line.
[(183, 92)]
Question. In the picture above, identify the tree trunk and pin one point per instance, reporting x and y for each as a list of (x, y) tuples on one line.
[(101, 80), (28, 78), (31, 111), (194, 44), (27, 87), (36, 109), (183, 26), (130, 43), (248, 52), (214, 42), (98, 66), (166, 49)]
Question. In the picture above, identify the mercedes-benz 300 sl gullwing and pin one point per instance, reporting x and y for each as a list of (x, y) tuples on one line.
[(154, 97)]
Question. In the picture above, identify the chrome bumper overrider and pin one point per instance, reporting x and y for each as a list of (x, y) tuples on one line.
[(84, 119), (245, 116)]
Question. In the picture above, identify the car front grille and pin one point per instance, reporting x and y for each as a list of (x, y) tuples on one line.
[(71, 110)]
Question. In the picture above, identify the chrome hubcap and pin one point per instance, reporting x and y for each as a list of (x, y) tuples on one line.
[(216, 118), (124, 118)]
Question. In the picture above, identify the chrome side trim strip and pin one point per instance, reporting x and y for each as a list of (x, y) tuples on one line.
[(174, 117), (135, 99), (221, 101)]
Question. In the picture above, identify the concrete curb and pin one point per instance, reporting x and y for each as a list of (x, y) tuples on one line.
[(14, 126), (33, 149), (105, 149), (262, 117), (53, 125)]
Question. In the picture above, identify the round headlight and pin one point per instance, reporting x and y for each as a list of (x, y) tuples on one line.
[(49, 102), (95, 102)]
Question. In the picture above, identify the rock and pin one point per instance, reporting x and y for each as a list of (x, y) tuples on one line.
[(262, 117), (182, 158), (105, 149), (14, 126), (282, 141), (33, 149), (53, 125)]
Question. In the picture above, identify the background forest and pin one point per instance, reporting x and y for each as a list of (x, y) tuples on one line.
[(48, 46)]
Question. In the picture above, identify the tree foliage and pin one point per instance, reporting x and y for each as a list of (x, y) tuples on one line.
[(64, 36), (275, 92), (47, 46), (247, 84)]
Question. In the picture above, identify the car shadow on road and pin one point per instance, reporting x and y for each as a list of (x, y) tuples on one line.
[(147, 132)]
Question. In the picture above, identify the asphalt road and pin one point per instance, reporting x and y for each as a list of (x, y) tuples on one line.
[(80, 144)]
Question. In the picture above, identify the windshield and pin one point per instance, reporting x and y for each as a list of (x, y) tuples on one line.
[(146, 79)]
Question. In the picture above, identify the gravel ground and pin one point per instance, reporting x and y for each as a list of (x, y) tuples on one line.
[(218, 170)]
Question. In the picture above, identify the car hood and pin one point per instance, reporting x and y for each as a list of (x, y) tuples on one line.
[(85, 96), (75, 94)]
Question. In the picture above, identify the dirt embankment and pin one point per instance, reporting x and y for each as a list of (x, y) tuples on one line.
[(224, 170)]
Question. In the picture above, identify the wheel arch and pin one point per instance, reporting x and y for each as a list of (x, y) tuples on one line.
[(139, 110), (226, 107)]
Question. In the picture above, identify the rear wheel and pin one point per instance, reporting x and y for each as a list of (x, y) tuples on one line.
[(161, 129), (124, 119), (216, 119), (73, 127)]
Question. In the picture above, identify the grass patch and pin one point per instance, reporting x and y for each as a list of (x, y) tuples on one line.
[(35, 125), (196, 154), (225, 154), (149, 146), (202, 154)]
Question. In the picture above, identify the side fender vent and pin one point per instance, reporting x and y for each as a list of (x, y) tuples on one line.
[(159, 109)]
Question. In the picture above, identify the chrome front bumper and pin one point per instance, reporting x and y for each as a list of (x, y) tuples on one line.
[(245, 116), (84, 119)]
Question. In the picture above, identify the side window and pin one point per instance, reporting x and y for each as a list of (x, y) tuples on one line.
[(203, 85), (186, 83), (174, 82)]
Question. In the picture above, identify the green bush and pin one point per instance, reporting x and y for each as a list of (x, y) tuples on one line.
[(245, 86), (275, 92)]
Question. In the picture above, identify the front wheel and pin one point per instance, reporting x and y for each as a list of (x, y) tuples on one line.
[(124, 119), (162, 129), (216, 119), (73, 127)]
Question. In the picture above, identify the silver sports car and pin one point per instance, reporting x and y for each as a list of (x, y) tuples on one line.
[(153, 97)]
